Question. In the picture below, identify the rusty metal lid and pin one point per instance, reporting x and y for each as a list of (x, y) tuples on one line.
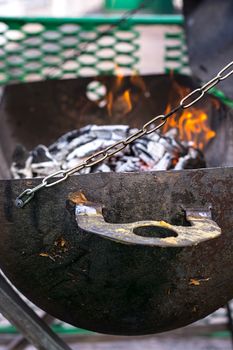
[(209, 31)]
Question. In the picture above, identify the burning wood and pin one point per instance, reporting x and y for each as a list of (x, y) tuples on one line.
[(149, 153)]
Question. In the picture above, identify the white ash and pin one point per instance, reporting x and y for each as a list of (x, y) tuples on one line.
[(148, 153)]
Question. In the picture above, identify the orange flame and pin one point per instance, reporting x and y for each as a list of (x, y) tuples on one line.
[(127, 101), (193, 126), (110, 103), (119, 77), (119, 105), (192, 123), (119, 100)]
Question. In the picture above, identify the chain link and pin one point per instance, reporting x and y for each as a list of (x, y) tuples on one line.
[(149, 127), (193, 97), (228, 67)]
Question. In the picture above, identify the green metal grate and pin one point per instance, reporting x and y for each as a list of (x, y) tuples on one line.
[(176, 55), (40, 48)]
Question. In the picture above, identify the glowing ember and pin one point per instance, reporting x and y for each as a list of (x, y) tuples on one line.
[(176, 146), (149, 153)]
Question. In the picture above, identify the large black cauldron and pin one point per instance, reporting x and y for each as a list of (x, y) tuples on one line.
[(78, 251)]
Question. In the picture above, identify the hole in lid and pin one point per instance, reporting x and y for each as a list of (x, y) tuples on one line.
[(14, 35), (70, 65), (2, 53), (51, 48), (126, 35), (32, 54), (125, 60), (87, 72), (172, 43), (15, 72), (32, 66), (69, 75), (51, 35), (51, 72), (32, 77), (89, 48), (87, 35), (69, 28), (173, 54), (154, 231), (2, 40), (3, 27), (3, 78), (15, 60), (33, 41), (106, 41), (12, 47), (172, 64), (33, 28), (68, 53), (125, 47), (106, 53), (69, 42), (52, 60), (87, 60), (106, 67)]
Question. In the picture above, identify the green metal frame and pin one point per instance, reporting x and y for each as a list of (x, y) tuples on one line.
[(96, 20)]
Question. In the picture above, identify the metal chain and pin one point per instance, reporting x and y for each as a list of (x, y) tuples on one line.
[(149, 127)]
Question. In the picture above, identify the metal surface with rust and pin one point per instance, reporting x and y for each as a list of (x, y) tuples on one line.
[(107, 286)]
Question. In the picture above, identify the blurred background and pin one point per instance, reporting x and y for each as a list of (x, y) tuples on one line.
[(75, 8)]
